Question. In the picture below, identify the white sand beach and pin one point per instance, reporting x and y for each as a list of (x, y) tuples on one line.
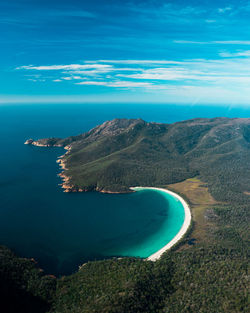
[(155, 256)]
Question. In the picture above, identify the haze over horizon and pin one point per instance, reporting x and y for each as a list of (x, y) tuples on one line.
[(125, 51)]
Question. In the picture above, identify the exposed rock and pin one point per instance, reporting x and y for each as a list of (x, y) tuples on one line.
[(29, 141)]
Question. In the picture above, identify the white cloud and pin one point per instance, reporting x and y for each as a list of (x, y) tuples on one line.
[(65, 67), (162, 74), (223, 10), (92, 83), (71, 77), (136, 61), (233, 42), (245, 53), (221, 42), (102, 71), (67, 78), (215, 72), (129, 84), (116, 84), (231, 69)]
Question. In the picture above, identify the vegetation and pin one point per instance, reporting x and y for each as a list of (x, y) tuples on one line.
[(207, 162), (123, 153), (23, 286)]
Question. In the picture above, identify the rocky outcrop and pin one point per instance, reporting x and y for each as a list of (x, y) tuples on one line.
[(29, 141), (49, 142)]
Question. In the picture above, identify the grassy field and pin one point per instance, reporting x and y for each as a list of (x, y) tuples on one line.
[(200, 201)]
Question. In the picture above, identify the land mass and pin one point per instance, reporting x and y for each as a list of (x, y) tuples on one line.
[(207, 162), (124, 153)]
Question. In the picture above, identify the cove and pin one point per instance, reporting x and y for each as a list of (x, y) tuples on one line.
[(62, 231)]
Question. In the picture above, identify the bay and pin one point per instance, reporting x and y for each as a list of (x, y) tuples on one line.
[(62, 231)]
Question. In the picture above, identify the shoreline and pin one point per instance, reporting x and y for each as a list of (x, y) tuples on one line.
[(187, 221), (68, 187), (66, 184)]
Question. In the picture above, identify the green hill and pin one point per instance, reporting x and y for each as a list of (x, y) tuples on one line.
[(122, 153)]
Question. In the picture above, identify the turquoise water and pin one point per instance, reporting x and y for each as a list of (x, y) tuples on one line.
[(62, 231), (173, 213)]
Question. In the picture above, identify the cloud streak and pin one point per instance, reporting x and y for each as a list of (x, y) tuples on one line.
[(216, 42), (150, 62), (65, 67), (245, 53), (117, 84), (231, 69)]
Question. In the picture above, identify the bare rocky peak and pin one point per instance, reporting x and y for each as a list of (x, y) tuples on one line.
[(115, 127)]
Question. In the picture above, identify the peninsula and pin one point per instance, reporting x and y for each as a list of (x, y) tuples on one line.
[(124, 153)]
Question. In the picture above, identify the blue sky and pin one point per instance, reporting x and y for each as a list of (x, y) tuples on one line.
[(122, 51)]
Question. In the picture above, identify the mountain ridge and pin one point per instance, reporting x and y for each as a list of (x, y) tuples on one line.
[(122, 153)]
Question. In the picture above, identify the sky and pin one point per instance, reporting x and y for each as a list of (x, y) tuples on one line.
[(192, 52)]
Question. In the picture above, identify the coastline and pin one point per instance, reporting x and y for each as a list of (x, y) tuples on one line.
[(66, 184), (187, 221), (68, 187)]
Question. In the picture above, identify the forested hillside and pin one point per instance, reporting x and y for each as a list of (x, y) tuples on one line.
[(122, 153)]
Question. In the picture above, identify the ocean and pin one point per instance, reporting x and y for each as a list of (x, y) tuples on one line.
[(63, 230)]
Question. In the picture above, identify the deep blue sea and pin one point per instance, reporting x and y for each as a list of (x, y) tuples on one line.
[(60, 230)]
